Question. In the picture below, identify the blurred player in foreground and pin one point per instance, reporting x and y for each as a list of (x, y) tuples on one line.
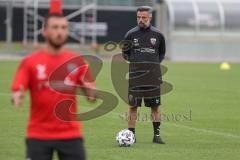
[(145, 55), (47, 133)]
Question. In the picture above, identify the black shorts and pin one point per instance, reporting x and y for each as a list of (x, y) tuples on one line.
[(70, 149), (150, 95)]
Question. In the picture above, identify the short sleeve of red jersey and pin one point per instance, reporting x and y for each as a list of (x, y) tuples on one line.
[(21, 79), (85, 77)]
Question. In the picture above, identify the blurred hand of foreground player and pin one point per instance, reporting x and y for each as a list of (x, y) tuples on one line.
[(91, 95), (17, 98), (90, 92)]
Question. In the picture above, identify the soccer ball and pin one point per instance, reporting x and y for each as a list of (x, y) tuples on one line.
[(125, 138)]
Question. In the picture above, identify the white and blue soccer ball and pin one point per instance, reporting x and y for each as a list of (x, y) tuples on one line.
[(125, 138)]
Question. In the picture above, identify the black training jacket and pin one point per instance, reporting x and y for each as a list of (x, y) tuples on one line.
[(144, 45)]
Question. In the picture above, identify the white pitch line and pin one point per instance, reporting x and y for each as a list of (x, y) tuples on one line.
[(115, 115), (223, 134)]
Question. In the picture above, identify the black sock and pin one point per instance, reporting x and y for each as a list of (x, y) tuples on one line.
[(132, 129), (156, 128)]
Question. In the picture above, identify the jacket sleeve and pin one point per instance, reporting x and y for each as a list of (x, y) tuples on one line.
[(162, 49), (126, 47)]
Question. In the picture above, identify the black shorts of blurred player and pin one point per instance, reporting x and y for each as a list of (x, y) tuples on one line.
[(69, 149)]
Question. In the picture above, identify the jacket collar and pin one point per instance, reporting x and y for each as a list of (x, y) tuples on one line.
[(145, 29)]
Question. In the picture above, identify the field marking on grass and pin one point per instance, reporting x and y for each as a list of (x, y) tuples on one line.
[(202, 130), (115, 115)]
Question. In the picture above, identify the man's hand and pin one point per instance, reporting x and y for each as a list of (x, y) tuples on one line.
[(17, 98), (90, 92), (91, 95)]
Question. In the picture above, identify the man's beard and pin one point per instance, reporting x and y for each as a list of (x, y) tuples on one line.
[(56, 45), (144, 25)]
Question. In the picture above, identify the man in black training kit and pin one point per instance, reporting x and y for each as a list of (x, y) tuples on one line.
[(145, 50)]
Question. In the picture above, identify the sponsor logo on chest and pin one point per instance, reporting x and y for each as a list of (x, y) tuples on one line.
[(153, 41), (135, 42), (41, 72)]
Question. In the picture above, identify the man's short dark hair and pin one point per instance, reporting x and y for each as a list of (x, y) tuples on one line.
[(56, 15), (145, 8)]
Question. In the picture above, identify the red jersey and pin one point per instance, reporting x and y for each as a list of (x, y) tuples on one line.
[(33, 74)]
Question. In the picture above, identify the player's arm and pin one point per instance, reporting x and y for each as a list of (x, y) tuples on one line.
[(162, 48), (20, 84), (87, 83), (126, 47)]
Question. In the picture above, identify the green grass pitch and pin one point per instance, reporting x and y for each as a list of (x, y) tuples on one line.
[(213, 132)]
